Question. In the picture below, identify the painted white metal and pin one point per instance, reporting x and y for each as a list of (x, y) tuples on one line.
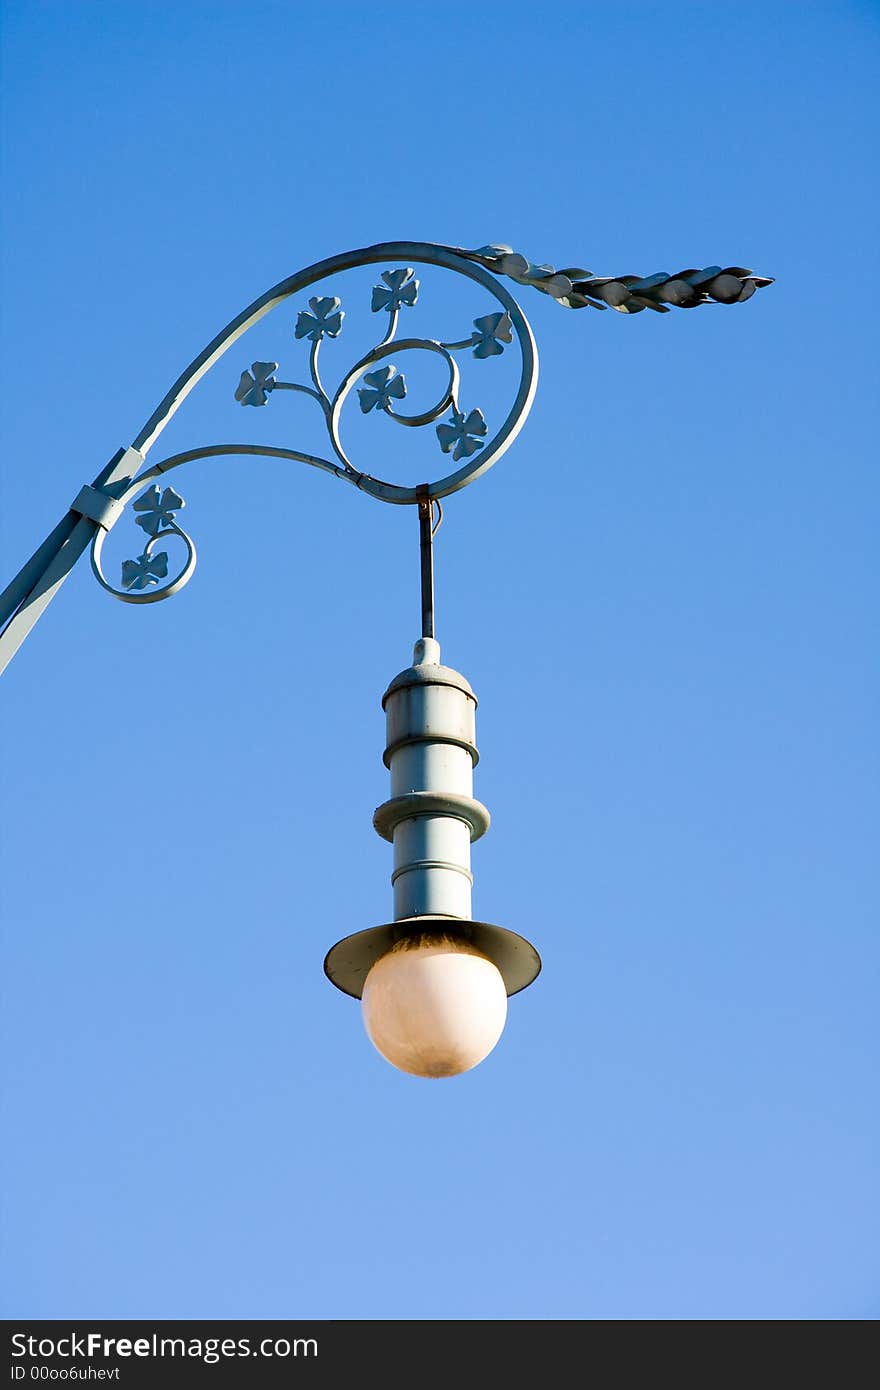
[(432, 815), (431, 819)]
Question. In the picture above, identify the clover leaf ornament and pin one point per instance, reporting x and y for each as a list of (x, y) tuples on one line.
[(463, 434), (157, 512), (254, 386), (145, 570), (325, 318), (401, 287), (383, 387), (492, 331)]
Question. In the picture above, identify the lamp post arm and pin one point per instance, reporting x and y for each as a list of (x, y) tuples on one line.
[(28, 595), (464, 432)]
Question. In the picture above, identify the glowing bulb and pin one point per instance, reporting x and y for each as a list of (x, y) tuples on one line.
[(434, 1005)]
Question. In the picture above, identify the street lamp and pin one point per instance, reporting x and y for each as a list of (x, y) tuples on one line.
[(434, 982)]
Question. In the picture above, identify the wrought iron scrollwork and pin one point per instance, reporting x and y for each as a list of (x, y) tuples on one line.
[(464, 434), (462, 430), (141, 579), (384, 385)]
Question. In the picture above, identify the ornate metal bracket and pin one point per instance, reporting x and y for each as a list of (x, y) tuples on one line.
[(381, 388), (463, 432)]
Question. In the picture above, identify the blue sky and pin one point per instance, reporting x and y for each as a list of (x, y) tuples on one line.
[(664, 595)]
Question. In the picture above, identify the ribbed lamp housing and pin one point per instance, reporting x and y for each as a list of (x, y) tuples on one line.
[(432, 816)]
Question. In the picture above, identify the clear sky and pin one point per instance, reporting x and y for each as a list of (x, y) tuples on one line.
[(664, 595)]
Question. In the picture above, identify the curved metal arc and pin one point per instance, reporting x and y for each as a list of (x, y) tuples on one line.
[(518, 412), (306, 391), (422, 252), (315, 374), (393, 316), (387, 349), (209, 450), (146, 595), (157, 470)]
